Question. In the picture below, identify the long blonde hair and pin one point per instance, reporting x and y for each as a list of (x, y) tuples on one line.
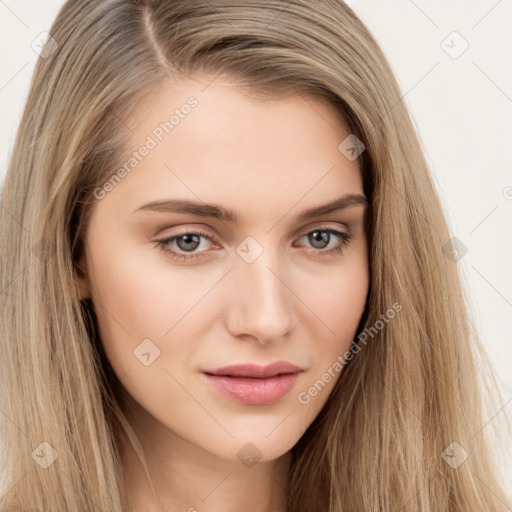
[(384, 439)]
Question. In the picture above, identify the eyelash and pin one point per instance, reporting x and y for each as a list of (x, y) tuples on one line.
[(345, 239)]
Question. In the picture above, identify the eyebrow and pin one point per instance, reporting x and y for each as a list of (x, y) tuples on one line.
[(220, 213)]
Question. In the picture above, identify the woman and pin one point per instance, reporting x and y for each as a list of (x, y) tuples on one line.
[(310, 351)]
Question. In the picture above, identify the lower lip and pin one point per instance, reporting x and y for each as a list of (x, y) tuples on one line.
[(254, 391)]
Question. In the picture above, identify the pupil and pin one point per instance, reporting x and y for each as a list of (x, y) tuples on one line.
[(189, 239), (324, 237)]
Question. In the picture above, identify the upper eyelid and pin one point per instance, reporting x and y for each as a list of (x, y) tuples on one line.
[(311, 227)]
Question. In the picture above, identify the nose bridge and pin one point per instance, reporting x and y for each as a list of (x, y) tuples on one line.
[(262, 302)]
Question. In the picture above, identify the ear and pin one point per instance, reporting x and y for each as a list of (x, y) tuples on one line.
[(82, 281)]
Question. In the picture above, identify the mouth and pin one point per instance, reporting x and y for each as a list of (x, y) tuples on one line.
[(255, 371), (254, 385)]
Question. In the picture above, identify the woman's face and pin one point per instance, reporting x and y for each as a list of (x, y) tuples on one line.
[(184, 289)]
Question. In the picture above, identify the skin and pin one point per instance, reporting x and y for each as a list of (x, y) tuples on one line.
[(267, 161)]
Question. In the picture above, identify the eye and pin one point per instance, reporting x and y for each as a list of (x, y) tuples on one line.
[(189, 241), (320, 237), (186, 241)]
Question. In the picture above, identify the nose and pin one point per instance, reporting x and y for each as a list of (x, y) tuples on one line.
[(260, 307)]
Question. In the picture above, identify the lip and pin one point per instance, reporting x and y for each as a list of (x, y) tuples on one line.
[(251, 384), (255, 371)]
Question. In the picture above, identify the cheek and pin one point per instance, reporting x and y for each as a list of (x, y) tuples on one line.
[(344, 308), (339, 304), (138, 296), (338, 301)]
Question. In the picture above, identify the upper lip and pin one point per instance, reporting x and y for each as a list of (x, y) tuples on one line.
[(256, 371)]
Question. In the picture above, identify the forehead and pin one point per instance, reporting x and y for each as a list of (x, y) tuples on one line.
[(210, 141)]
